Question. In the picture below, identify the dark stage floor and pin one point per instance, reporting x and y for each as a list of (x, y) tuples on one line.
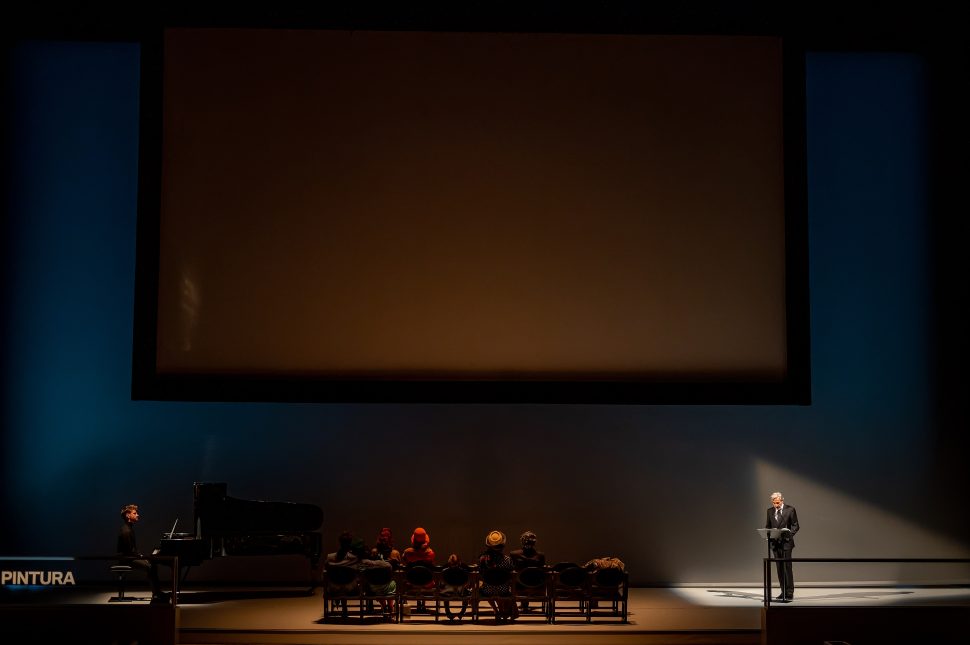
[(695, 614), (698, 615)]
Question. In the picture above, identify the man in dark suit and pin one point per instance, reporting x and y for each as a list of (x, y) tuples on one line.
[(783, 516), (129, 554)]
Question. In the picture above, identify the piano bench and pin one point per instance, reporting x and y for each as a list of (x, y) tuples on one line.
[(121, 571)]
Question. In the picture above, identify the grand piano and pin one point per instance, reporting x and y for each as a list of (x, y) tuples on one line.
[(226, 526)]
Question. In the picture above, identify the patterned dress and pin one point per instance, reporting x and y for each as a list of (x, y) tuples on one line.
[(498, 561)]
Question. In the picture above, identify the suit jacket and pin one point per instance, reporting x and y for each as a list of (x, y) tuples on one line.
[(127, 547), (788, 520)]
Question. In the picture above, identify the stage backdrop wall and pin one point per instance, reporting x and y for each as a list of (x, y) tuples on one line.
[(675, 491)]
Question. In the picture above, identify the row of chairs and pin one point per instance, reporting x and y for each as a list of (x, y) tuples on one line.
[(565, 590)]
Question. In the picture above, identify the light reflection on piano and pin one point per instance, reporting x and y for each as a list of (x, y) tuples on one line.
[(226, 526)]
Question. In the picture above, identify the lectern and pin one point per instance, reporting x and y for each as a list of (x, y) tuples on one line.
[(771, 534)]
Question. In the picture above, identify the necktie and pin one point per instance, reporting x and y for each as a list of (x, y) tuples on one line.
[(777, 515)]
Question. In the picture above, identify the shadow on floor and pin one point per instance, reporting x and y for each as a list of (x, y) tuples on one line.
[(222, 595)]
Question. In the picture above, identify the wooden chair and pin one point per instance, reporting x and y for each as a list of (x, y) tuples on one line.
[(493, 578), (532, 584), (610, 587), (342, 590), (569, 592), (418, 583), (377, 588), (457, 585)]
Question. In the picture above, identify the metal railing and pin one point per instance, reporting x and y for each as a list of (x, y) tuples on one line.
[(769, 561)]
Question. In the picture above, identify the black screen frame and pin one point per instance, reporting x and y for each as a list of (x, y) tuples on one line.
[(794, 388)]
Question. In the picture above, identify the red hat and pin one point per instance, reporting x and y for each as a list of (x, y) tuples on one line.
[(420, 536)]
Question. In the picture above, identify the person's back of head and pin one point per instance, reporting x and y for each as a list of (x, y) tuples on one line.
[(384, 536), (344, 542), (420, 539), (495, 541), (357, 547)]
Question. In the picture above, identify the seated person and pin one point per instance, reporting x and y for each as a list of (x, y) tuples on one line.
[(455, 581), (454, 562), (528, 556), (499, 596), (420, 549), (385, 544), (374, 561), (344, 556), (419, 552), (129, 554), (607, 562)]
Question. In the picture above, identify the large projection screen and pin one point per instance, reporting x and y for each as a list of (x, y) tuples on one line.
[(457, 216)]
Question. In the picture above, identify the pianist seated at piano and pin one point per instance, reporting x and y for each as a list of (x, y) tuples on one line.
[(129, 554)]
